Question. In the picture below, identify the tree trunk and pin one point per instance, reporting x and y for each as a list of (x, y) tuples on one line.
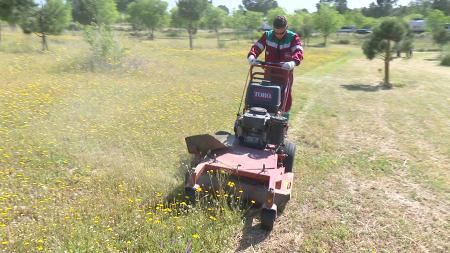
[(387, 60), (42, 31), (44, 42), (190, 31), (325, 38), (152, 34), (218, 37)]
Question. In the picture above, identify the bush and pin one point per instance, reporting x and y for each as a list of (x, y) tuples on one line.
[(343, 42), (446, 60), (106, 50), (221, 44)]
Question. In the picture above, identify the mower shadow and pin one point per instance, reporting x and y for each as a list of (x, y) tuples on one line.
[(252, 234), (363, 87)]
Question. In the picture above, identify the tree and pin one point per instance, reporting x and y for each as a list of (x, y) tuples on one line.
[(327, 21), (436, 21), (419, 6), (215, 19), (273, 13), (307, 28), (260, 5), (12, 11), (340, 5), (247, 21), (49, 18), (442, 5), (191, 11), (237, 22), (302, 23), (122, 5), (406, 45), (175, 19), (252, 20), (87, 12), (380, 42), (441, 37), (148, 14), (381, 8), (224, 8)]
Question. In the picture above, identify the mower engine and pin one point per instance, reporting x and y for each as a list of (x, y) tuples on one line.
[(261, 123)]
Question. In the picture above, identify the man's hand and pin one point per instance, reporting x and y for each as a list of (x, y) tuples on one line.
[(288, 65), (252, 60)]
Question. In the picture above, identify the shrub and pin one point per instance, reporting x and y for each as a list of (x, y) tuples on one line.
[(343, 42), (106, 50), (446, 60), (221, 44)]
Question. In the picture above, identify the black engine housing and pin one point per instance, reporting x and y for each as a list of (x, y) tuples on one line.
[(257, 128)]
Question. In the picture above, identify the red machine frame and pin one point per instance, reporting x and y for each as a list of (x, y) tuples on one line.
[(260, 173)]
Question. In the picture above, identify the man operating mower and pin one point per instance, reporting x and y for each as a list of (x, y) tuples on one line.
[(282, 46)]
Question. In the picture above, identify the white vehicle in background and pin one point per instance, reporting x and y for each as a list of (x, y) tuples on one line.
[(417, 25)]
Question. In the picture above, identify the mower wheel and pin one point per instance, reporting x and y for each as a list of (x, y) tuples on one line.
[(289, 149), (268, 217)]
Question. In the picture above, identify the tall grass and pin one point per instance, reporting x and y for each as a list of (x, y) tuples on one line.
[(88, 160)]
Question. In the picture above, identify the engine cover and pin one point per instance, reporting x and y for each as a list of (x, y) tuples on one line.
[(256, 118)]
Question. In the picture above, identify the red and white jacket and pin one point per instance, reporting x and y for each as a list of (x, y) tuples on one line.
[(289, 48)]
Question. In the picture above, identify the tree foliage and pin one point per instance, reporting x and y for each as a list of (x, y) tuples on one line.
[(122, 5), (49, 18), (260, 5), (147, 14), (436, 21), (302, 23), (273, 13), (224, 8), (340, 5), (11, 10), (87, 12), (214, 17), (380, 42), (327, 20), (191, 11), (442, 5), (380, 8)]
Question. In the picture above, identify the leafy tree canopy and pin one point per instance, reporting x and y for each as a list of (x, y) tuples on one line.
[(87, 12), (49, 18), (11, 10), (147, 13), (122, 5), (260, 5), (214, 17), (327, 20)]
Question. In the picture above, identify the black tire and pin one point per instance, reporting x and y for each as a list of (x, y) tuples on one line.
[(222, 133), (268, 217), (289, 150)]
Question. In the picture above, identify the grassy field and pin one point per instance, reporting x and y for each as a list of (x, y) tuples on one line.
[(89, 159)]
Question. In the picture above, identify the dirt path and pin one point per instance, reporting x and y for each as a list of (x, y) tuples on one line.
[(373, 165)]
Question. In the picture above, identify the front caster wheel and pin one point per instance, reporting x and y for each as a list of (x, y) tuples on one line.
[(268, 217)]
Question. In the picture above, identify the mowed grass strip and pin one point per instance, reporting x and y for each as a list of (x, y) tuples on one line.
[(372, 164), (87, 159)]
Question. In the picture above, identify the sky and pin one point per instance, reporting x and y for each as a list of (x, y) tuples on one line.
[(291, 5)]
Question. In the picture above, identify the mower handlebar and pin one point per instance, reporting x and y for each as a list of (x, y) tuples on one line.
[(270, 65)]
